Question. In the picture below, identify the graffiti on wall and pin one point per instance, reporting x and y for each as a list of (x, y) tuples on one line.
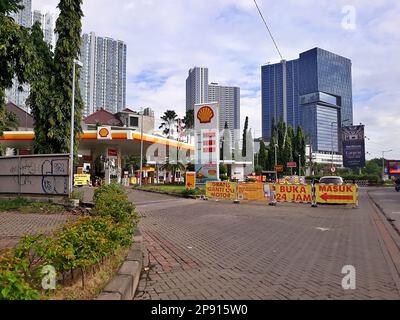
[(45, 175)]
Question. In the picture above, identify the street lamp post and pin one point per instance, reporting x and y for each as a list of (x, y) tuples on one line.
[(71, 150), (141, 148), (276, 162), (332, 123), (383, 162)]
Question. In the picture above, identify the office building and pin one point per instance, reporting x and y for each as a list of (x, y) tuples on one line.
[(316, 93), (47, 23), (103, 76), (24, 16), (228, 99), (18, 93), (196, 87)]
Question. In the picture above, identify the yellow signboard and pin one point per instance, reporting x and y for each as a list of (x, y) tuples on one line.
[(190, 180), (251, 191), (221, 190), (294, 193), (81, 179), (339, 194)]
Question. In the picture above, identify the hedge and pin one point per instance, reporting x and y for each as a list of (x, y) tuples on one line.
[(77, 246)]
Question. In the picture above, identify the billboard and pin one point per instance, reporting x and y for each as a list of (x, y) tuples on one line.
[(353, 142), (393, 166), (206, 142)]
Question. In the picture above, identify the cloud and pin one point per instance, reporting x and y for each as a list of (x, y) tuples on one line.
[(166, 38)]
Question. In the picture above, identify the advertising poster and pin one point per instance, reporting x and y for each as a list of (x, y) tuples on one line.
[(353, 142), (393, 167)]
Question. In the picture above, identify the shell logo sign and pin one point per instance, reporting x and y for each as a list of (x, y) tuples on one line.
[(205, 114), (104, 133)]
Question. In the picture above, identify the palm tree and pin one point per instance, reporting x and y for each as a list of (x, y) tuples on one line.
[(169, 123), (173, 168)]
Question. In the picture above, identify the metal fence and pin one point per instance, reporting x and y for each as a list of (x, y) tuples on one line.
[(35, 175)]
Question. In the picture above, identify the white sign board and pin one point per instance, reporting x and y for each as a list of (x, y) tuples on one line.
[(206, 142)]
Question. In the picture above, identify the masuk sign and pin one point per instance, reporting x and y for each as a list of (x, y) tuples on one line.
[(340, 194)]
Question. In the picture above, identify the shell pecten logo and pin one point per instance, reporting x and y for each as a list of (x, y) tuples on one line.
[(104, 132), (205, 114)]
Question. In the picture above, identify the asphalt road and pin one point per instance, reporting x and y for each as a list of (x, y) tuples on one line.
[(212, 250), (388, 201)]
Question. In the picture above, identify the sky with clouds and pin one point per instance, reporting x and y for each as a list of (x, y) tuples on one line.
[(166, 38)]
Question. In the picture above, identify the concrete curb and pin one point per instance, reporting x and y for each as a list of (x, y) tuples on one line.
[(123, 286)]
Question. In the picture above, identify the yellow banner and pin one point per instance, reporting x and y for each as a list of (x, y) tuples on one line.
[(251, 191), (339, 194), (294, 193), (190, 180), (221, 190), (81, 179)]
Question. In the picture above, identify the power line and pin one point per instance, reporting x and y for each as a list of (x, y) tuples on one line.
[(269, 31)]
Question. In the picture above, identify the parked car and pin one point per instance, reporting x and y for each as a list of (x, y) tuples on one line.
[(331, 180)]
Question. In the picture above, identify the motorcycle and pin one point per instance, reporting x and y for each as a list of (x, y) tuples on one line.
[(397, 187)]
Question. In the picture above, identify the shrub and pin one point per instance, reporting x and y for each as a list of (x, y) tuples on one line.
[(14, 272), (223, 177), (112, 201), (187, 193), (14, 287), (78, 245), (77, 195)]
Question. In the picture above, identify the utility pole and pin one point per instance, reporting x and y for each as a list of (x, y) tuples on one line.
[(141, 148), (276, 162), (299, 165), (72, 137)]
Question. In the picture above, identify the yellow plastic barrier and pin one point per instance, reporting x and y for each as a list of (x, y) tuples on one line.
[(294, 193), (221, 190), (336, 194), (251, 191)]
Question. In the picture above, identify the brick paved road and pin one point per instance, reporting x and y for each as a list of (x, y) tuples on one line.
[(213, 250), (13, 226)]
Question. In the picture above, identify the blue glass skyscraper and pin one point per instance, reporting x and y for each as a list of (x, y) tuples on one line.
[(318, 96)]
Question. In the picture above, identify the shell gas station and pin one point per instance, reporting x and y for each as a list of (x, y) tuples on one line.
[(103, 151)]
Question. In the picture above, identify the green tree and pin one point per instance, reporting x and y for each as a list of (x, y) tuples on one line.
[(39, 96), (169, 120), (172, 168), (262, 156), (287, 155), (188, 120), (68, 28), (281, 132), (271, 154), (299, 149), (16, 58), (8, 6), (244, 144)]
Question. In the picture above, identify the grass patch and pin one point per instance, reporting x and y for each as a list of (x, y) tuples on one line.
[(176, 189), (95, 279), (12, 204), (25, 206)]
